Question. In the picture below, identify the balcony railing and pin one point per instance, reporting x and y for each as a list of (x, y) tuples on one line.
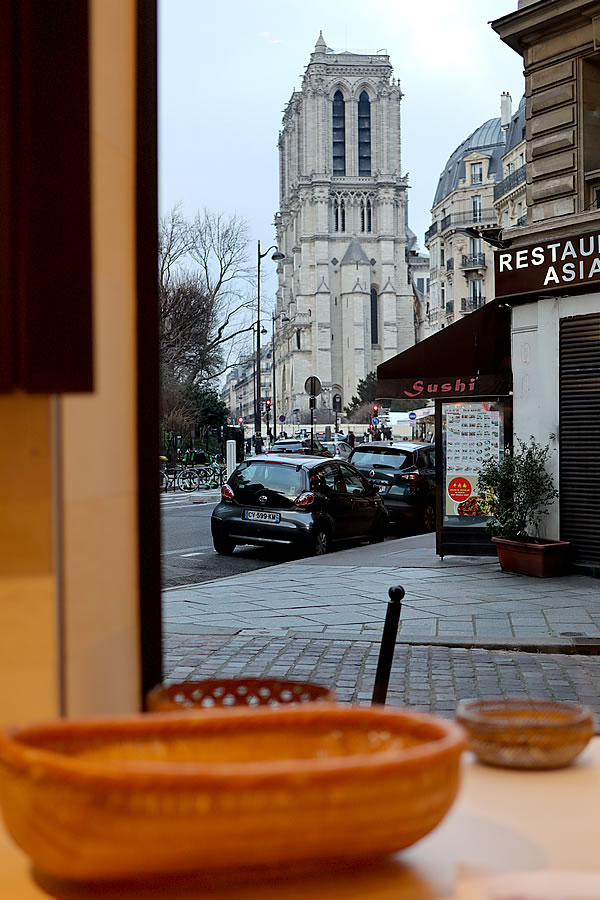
[(510, 182), (522, 220), (450, 265), (468, 304), (431, 231), (449, 307), (473, 261), (470, 217)]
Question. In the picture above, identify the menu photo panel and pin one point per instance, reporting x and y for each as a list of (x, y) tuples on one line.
[(472, 433)]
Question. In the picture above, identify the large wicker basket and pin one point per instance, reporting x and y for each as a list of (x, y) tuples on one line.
[(228, 692), (175, 792)]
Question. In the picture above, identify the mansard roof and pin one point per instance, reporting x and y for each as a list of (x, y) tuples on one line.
[(355, 253), (488, 139)]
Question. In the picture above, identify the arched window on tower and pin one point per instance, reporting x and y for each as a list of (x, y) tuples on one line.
[(339, 134), (343, 215), (369, 216), (336, 215), (362, 215), (364, 134), (374, 317)]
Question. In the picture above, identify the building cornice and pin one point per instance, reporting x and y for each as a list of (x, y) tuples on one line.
[(525, 27)]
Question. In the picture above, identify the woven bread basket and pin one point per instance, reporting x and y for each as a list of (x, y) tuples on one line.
[(228, 692), (225, 789)]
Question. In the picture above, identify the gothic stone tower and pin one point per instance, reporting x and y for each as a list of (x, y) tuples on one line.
[(344, 301)]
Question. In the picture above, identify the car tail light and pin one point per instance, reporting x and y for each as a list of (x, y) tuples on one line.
[(226, 492), (305, 500), (412, 476)]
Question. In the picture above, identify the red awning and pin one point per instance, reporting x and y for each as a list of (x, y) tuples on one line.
[(470, 358)]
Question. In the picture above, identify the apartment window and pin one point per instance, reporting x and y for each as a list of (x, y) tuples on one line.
[(476, 173), (374, 319), (442, 255), (476, 209), (364, 134), (443, 294), (421, 285), (339, 134), (476, 246), (476, 291)]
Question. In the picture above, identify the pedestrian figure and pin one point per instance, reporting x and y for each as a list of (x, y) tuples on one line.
[(351, 438)]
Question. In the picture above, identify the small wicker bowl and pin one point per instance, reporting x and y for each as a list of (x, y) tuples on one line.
[(526, 734), (227, 789), (228, 692)]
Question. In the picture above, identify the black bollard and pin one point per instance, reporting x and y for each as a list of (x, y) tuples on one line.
[(388, 644)]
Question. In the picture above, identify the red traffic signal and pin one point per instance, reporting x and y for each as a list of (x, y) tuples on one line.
[(268, 401), (375, 408)]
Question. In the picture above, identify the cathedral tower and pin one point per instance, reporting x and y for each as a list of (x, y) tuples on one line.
[(344, 300)]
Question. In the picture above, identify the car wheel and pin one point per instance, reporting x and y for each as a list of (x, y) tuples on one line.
[(224, 546), (428, 517), (320, 542)]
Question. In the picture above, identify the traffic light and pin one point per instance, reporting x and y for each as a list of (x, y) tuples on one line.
[(375, 409), (268, 401)]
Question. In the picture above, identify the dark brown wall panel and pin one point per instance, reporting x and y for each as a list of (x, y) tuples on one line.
[(7, 136), (47, 220)]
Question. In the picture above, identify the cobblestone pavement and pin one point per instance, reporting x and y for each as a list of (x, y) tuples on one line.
[(426, 678)]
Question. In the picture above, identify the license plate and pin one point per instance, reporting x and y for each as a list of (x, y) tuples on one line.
[(259, 515)]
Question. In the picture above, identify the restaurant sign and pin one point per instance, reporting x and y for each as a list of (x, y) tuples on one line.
[(549, 267), (444, 388)]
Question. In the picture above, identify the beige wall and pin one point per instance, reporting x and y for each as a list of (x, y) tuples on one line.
[(68, 545)]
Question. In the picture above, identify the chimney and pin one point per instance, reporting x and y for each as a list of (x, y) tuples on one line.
[(505, 111)]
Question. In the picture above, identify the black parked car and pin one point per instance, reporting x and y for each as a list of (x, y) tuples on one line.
[(404, 473), (306, 502), (300, 445)]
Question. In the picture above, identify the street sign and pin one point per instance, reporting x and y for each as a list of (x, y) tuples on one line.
[(412, 416), (241, 420), (282, 418), (375, 420), (312, 386)]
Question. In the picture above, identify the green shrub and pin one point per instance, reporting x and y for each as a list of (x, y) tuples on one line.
[(519, 489)]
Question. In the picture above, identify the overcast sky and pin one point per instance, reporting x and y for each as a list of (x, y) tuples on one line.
[(227, 70)]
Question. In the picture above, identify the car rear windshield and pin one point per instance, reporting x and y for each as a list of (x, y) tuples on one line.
[(288, 480), (388, 457)]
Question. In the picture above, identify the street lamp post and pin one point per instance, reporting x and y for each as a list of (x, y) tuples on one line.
[(257, 400), (283, 318)]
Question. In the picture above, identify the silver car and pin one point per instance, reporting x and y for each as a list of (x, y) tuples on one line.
[(338, 448)]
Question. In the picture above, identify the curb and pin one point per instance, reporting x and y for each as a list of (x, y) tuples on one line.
[(574, 646)]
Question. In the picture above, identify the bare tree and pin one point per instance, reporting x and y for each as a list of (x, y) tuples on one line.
[(204, 292)]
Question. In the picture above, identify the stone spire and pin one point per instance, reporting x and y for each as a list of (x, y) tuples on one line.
[(320, 46)]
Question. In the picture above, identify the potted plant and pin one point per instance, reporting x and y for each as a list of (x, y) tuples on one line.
[(519, 489)]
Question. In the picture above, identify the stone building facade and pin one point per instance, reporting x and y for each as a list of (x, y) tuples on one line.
[(481, 188), (549, 268), (344, 298)]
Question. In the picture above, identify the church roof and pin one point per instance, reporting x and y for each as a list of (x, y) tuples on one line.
[(355, 253)]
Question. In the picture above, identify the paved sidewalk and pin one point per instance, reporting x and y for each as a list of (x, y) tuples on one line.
[(454, 602)]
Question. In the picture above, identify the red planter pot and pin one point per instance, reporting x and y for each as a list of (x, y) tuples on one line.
[(545, 559)]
